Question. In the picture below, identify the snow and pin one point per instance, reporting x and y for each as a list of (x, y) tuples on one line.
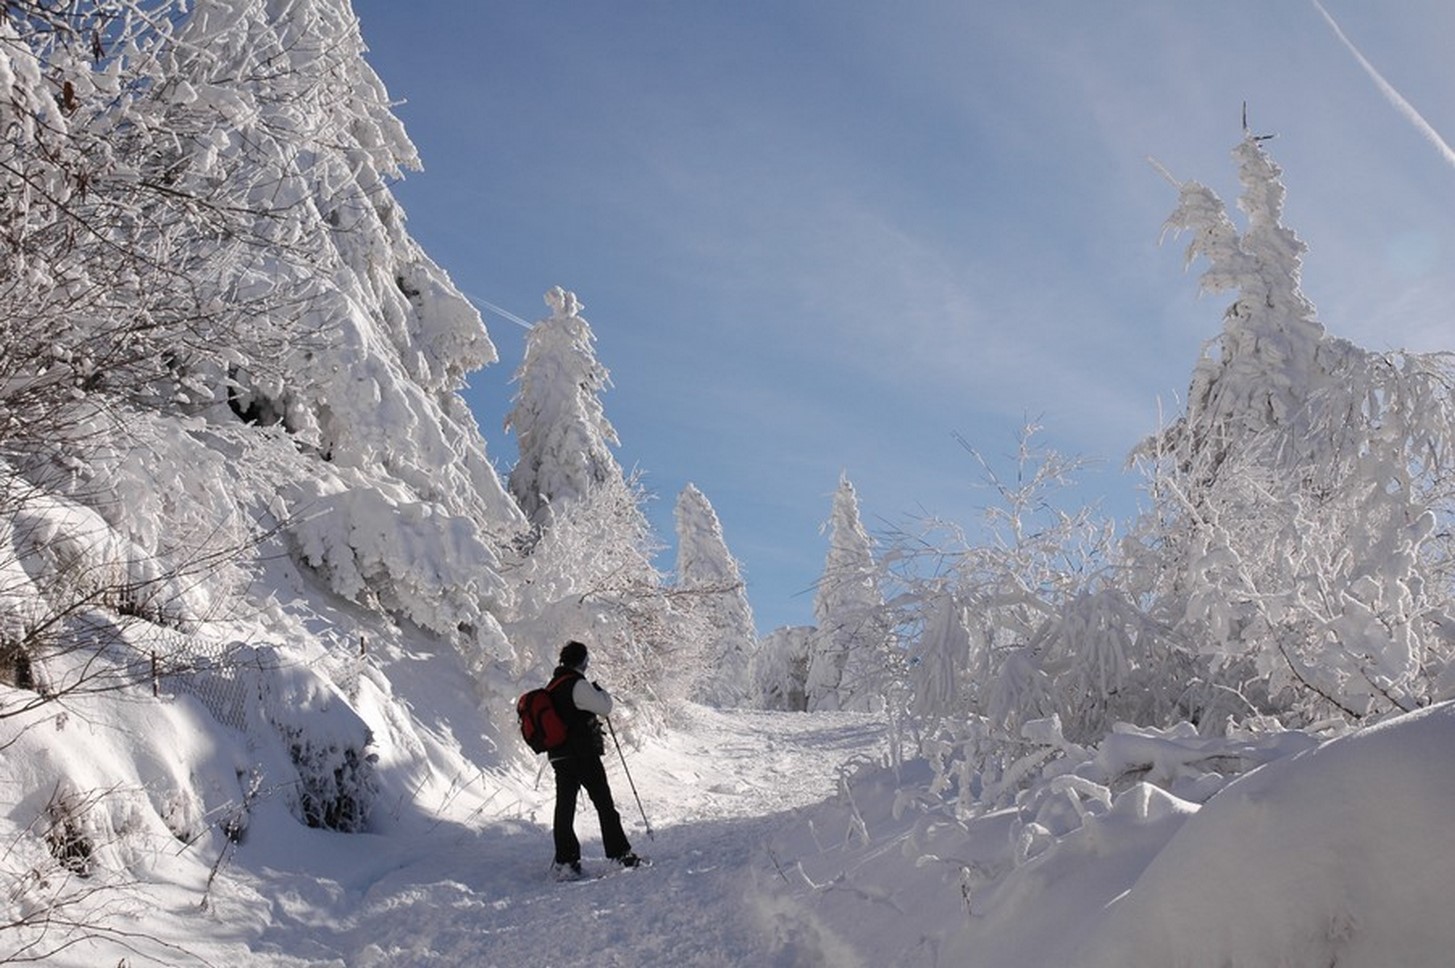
[(779, 839), (266, 610), (1334, 856), (468, 881)]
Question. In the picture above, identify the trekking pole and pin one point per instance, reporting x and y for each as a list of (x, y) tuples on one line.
[(617, 743)]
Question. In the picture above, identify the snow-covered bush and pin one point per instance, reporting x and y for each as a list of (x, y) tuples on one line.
[(326, 741), (83, 608), (1023, 621), (65, 831), (336, 786), (590, 577)]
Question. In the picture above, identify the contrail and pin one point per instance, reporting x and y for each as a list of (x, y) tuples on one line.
[(1387, 89), (502, 313)]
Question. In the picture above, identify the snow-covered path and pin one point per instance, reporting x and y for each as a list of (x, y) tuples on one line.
[(1335, 853), (715, 790)]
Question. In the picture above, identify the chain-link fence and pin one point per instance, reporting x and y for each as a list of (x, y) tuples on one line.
[(220, 675), (230, 677)]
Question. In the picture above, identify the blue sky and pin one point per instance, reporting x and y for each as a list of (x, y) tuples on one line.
[(825, 236)]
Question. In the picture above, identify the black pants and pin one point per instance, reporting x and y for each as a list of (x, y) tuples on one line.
[(573, 773)]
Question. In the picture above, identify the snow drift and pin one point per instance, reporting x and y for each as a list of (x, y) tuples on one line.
[(1337, 856)]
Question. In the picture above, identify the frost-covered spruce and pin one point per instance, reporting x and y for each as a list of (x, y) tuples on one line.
[(562, 432), (1290, 546), (259, 365), (707, 571), (779, 671), (849, 656)]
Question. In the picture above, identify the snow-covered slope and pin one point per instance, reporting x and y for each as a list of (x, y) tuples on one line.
[(257, 583), (779, 838), (459, 874)]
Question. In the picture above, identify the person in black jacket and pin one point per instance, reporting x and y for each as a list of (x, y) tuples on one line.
[(577, 764)]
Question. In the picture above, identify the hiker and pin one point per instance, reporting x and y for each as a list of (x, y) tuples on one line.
[(577, 763)]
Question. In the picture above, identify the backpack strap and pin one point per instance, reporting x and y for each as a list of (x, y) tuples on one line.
[(569, 712), (563, 677)]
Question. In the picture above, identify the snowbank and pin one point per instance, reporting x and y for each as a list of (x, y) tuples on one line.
[(1337, 856)]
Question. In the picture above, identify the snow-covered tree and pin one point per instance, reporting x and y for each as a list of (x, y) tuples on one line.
[(850, 658), (243, 257), (101, 288), (1021, 644), (1272, 355), (942, 651), (587, 569), (779, 671), (318, 145), (590, 576), (560, 428), (105, 288), (707, 571), (373, 342), (1289, 544), (210, 282)]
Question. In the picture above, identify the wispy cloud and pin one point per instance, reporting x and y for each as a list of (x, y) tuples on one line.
[(1401, 105)]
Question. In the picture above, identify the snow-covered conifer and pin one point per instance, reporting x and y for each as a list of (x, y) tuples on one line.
[(1267, 362), (849, 661), (588, 572), (1288, 545), (375, 342), (707, 572), (243, 273), (560, 428), (780, 668)]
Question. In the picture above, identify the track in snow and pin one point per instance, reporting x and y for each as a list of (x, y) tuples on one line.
[(714, 790)]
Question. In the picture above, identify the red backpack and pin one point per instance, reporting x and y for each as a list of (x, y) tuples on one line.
[(541, 724)]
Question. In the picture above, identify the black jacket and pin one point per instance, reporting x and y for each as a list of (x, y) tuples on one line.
[(584, 736)]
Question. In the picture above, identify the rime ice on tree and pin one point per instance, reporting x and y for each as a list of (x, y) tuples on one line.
[(564, 437), (1296, 496), (848, 658), (707, 569), (1268, 362)]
